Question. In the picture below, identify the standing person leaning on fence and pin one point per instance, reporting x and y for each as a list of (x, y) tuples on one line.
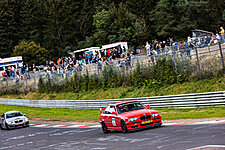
[(222, 33), (147, 46)]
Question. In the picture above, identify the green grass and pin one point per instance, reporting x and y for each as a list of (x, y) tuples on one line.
[(207, 85), (90, 114), (54, 113)]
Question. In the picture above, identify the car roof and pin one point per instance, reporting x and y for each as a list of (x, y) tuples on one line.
[(14, 111), (123, 102)]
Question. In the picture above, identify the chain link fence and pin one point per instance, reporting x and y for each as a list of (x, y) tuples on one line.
[(194, 61)]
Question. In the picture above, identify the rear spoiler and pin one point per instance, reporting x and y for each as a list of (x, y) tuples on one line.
[(101, 109)]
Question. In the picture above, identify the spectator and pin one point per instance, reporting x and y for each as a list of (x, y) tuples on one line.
[(218, 38), (222, 33), (182, 50), (187, 48), (134, 50), (124, 50), (147, 46), (127, 60)]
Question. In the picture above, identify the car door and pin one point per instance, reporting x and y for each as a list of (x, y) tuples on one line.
[(105, 116), (110, 118)]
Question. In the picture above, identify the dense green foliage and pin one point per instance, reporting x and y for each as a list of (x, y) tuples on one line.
[(163, 73), (59, 26), (153, 77), (201, 86)]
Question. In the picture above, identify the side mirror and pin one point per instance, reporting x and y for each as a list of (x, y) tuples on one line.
[(148, 105), (113, 113), (24, 114)]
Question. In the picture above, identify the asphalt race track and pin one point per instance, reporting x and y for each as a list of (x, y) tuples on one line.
[(177, 137)]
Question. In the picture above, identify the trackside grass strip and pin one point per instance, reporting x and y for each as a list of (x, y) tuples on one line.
[(93, 114), (206, 85)]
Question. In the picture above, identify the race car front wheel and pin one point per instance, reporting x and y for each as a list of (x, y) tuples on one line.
[(1, 127), (104, 128), (7, 127), (123, 126)]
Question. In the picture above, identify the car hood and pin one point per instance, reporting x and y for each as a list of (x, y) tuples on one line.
[(138, 113), (16, 118)]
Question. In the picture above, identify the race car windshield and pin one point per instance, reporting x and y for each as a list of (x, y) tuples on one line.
[(129, 107), (14, 115)]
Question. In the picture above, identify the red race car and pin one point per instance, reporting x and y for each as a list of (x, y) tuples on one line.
[(128, 115)]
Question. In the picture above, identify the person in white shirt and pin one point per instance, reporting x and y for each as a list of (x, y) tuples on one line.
[(148, 48)]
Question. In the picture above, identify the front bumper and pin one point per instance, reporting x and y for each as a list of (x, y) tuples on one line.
[(157, 121), (23, 124)]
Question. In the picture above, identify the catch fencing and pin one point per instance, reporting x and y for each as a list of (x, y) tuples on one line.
[(29, 82), (169, 101), (207, 60)]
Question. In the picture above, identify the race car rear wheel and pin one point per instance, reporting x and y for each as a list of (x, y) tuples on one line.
[(123, 126), (104, 128)]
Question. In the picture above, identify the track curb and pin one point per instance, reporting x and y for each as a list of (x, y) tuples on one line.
[(98, 125)]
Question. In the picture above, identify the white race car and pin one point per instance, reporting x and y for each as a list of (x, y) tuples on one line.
[(13, 119)]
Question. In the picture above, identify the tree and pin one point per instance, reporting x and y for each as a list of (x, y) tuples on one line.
[(114, 25), (32, 20), (164, 18), (31, 53), (61, 29), (8, 27)]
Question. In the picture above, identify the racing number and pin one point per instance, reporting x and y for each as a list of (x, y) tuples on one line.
[(113, 121)]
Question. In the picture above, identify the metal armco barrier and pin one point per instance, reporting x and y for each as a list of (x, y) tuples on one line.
[(175, 101)]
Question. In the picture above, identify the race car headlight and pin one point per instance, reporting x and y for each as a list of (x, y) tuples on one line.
[(10, 122), (132, 119), (26, 119), (155, 115)]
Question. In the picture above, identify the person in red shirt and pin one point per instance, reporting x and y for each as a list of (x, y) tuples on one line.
[(108, 52)]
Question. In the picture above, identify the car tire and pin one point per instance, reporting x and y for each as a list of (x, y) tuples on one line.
[(104, 128), (7, 126), (123, 126), (1, 127), (158, 125)]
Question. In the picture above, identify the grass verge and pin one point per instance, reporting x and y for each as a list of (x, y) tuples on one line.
[(207, 85), (90, 114)]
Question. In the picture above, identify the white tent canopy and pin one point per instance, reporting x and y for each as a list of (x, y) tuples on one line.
[(80, 50), (108, 46), (122, 44)]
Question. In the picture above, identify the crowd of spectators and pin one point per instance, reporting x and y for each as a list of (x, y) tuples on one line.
[(106, 56), (185, 48), (16, 73), (68, 64)]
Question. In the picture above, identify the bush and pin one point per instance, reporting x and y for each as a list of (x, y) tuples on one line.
[(41, 86), (153, 77)]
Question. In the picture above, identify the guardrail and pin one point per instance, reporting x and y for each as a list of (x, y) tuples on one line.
[(175, 101)]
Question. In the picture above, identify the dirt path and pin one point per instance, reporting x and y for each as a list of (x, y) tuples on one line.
[(95, 122)]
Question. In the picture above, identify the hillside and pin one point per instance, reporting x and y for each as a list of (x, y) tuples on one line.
[(206, 85)]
